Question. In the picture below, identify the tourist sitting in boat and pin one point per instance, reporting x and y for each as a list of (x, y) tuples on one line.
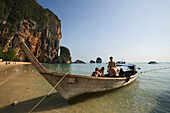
[(121, 73), (102, 71), (96, 73), (113, 72)]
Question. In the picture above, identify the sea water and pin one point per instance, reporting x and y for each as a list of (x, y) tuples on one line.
[(149, 93)]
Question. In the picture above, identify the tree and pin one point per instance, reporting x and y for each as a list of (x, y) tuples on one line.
[(9, 55)]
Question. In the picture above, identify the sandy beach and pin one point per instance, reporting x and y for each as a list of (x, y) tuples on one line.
[(20, 82), (3, 65), (7, 70)]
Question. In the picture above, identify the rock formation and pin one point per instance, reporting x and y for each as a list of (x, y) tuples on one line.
[(92, 61), (38, 27), (98, 60), (65, 56), (79, 62)]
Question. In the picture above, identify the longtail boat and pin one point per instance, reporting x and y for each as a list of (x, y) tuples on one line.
[(72, 85)]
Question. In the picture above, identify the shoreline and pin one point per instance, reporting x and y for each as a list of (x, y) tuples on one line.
[(3, 65), (14, 63), (5, 70)]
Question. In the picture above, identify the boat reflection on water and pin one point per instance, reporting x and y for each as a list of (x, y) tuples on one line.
[(120, 93)]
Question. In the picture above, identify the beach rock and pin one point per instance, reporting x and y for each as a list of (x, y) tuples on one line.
[(92, 61), (79, 62), (15, 103), (39, 28), (67, 62), (98, 60), (48, 95)]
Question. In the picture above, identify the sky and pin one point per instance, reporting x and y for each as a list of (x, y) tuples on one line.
[(132, 30)]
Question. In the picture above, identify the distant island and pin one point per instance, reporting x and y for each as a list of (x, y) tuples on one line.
[(98, 60), (92, 61), (79, 62)]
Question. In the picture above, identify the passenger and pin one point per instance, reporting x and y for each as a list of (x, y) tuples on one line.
[(113, 71), (121, 72), (102, 71), (111, 64), (96, 73)]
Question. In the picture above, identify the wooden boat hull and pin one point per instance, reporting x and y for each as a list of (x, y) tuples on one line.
[(76, 85)]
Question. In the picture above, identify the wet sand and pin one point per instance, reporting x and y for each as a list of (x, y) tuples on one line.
[(3, 65), (6, 70), (21, 83)]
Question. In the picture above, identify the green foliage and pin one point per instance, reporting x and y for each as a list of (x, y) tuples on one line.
[(51, 13), (9, 55), (16, 59), (24, 9)]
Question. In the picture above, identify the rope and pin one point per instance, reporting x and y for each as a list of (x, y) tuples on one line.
[(48, 92), (154, 69)]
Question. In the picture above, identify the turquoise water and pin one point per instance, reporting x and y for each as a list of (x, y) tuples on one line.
[(81, 69), (150, 93)]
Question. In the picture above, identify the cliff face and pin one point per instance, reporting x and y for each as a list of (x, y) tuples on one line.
[(38, 27), (65, 56)]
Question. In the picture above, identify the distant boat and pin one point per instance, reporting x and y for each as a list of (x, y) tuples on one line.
[(72, 86), (121, 62), (152, 62)]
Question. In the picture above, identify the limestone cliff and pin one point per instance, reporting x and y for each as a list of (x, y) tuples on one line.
[(65, 56), (39, 28)]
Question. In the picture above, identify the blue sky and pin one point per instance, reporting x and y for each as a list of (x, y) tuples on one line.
[(134, 30)]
